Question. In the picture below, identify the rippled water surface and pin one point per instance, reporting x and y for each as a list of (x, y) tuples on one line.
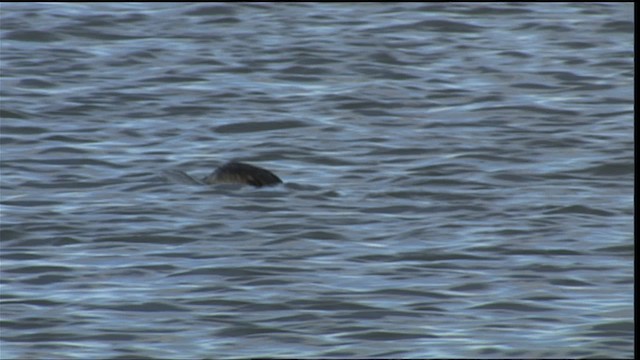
[(458, 180)]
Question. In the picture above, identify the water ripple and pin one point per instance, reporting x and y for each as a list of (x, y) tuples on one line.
[(458, 180)]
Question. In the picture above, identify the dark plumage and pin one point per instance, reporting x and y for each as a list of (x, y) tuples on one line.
[(241, 173)]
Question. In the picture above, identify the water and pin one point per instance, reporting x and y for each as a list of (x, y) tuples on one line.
[(458, 180)]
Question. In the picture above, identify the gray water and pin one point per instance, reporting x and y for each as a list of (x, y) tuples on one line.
[(458, 180)]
